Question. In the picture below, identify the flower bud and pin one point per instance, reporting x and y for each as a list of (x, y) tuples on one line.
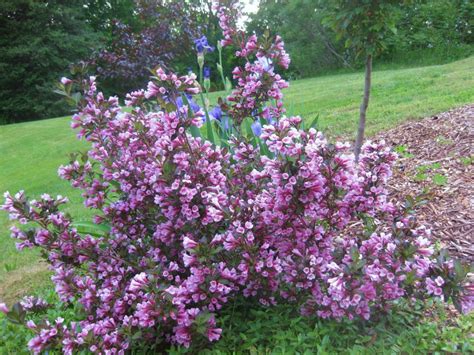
[(200, 59), (228, 84), (65, 81), (207, 84)]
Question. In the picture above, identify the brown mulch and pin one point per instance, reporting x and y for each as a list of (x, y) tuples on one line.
[(438, 158)]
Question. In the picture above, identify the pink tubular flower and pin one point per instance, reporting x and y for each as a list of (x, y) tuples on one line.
[(31, 325), (138, 282), (65, 81), (4, 308), (214, 334), (188, 243)]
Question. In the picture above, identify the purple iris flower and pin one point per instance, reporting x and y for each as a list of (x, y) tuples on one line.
[(207, 72), (256, 128), (202, 45), (194, 106), (216, 113)]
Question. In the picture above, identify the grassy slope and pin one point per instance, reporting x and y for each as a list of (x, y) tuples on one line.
[(30, 153)]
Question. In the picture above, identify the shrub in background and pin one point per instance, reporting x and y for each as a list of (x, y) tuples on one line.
[(162, 34), (147, 35), (197, 207)]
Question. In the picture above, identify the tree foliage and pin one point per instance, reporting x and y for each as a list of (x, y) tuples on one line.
[(102, 13), (38, 41), (119, 39), (434, 23), (364, 25), (40, 38)]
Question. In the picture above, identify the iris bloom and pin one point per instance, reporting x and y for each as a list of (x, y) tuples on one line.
[(216, 113), (194, 106), (202, 45), (257, 128)]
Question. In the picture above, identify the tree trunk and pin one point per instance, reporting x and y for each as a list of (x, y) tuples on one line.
[(363, 108)]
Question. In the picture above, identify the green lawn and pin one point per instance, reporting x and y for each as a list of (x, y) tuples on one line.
[(30, 153)]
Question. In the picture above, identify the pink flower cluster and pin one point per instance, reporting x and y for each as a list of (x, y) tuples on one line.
[(190, 226), (256, 82)]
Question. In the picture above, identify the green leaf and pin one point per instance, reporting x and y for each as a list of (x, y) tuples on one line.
[(76, 96), (440, 179), (421, 177), (246, 127), (168, 169), (209, 127), (403, 151), (195, 132), (60, 92), (228, 84), (314, 123), (17, 314), (96, 230)]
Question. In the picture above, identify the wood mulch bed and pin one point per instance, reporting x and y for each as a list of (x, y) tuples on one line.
[(437, 156)]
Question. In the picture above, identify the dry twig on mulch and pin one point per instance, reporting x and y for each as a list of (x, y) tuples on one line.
[(437, 155)]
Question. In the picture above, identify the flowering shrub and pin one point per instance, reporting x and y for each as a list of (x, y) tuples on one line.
[(193, 212)]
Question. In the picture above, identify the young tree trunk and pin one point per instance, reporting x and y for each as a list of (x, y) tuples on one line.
[(363, 107)]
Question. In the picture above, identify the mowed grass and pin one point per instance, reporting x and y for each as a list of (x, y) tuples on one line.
[(30, 153)]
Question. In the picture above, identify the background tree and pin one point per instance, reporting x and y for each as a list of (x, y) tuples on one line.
[(429, 32), (38, 41), (312, 47), (102, 13), (432, 29), (365, 26)]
